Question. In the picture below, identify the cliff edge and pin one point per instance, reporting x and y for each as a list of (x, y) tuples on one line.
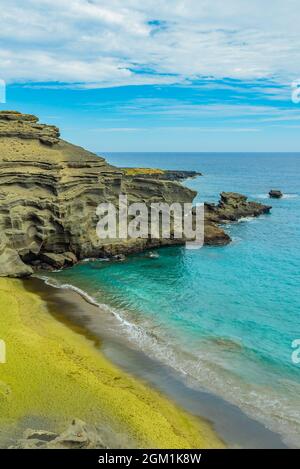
[(49, 192)]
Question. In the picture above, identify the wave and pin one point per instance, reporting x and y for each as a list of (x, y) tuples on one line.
[(94, 259), (202, 368), (247, 219), (266, 196), (290, 196), (67, 286)]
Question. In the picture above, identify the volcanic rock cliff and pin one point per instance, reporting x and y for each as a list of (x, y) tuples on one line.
[(49, 192)]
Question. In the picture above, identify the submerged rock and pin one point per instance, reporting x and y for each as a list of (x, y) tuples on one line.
[(275, 194)]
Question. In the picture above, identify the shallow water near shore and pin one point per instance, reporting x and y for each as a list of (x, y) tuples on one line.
[(223, 319)]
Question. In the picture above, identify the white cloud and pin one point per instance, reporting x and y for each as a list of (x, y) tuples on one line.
[(176, 108), (105, 42), (172, 128)]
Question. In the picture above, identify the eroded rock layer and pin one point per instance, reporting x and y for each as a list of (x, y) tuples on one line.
[(49, 192)]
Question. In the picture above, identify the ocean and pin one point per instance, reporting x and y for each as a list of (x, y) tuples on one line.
[(223, 319)]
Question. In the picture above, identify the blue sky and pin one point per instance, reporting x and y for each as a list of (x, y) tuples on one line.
[(114, 76)]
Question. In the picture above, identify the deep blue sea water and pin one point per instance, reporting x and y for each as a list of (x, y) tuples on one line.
[(223, 317)]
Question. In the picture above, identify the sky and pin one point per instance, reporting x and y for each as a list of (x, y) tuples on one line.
[(169, 75)]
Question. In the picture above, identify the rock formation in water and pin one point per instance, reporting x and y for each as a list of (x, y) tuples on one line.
[(275, 194), (49, 192), (232, 207)]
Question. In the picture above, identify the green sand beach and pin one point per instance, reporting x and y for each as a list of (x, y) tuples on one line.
[(55, 374)]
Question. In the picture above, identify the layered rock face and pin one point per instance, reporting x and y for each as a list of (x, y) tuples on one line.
[(49, 192), (26, 126)]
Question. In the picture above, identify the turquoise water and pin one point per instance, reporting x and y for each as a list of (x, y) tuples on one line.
[(223, 317)]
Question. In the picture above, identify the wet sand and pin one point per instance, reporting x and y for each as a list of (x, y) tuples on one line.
[(234, 427)]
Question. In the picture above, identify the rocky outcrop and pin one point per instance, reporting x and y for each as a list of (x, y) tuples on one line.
[(78, 435), (275, 194), (214, 235), (232, 207), (50, 190), (26, 126)]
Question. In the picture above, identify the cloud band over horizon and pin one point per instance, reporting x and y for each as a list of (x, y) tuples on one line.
[(116, 42)]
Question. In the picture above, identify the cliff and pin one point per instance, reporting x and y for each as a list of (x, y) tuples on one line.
[(49, 192)]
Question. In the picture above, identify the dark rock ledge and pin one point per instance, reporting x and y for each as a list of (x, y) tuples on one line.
[(163, 174)]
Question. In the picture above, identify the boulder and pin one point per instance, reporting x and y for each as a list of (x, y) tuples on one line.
[(215, 236), (275, 194), (11, 265), (58, 261), (78, 435)]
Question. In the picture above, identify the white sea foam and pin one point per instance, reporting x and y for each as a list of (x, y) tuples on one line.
[(266, 196), (93, 259), (247, 219), (260, 196), (67, 286), (290, 196)]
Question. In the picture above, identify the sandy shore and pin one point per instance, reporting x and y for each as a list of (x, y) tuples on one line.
[(54, 373), (233, 426)]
